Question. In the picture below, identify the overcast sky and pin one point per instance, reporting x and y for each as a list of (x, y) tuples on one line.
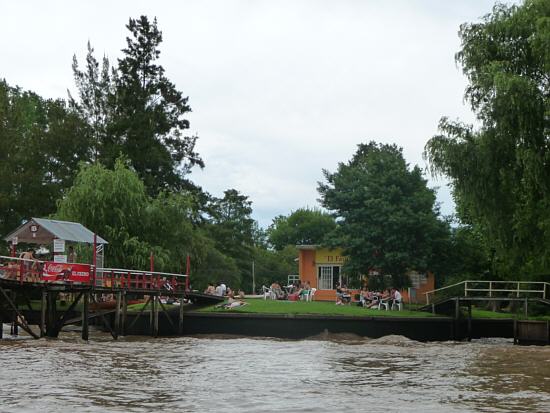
[(279, 89)]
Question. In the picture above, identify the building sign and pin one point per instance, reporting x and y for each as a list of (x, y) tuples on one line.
[(60, 258), (326, 256), (58, 245), (58, 271)]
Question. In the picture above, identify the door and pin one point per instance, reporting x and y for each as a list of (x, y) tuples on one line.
[(324, 280)]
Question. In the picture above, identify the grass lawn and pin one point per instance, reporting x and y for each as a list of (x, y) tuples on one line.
[(316, 307), (260, 306)]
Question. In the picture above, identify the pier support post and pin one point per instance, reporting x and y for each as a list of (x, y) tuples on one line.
[(123, 320), (117, 312), (151, 313), (85, 316), (43, 308), (525, 307), (14, 325), (156, 316), (470, 321), (180, 318), (52, 315), (457, 315)]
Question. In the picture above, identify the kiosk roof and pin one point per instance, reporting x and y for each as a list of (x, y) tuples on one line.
[(45, 230)]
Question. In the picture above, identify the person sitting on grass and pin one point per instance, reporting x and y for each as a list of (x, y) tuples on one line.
[(210, 289), (232, 303)]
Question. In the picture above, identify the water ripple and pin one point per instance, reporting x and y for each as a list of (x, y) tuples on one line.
[(329, 373)]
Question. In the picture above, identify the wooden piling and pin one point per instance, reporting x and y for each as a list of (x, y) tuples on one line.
[(85, 315), (180, 318), (51, 321), (14, 325), (123, 321), (470, 321), (457, 315), (43, 308), (117, 312), (156, 317)]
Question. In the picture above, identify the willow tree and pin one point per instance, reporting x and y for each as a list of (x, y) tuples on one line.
[(500, 173)]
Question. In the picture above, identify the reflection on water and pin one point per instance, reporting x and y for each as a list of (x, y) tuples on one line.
[(329, 373)]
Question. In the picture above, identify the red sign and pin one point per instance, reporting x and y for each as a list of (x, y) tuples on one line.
[(59, 271)]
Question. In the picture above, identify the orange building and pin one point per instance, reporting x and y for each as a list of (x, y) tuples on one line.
[(322, 267)]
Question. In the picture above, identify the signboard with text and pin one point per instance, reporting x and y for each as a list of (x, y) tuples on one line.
[(58, 245), (58, 271)]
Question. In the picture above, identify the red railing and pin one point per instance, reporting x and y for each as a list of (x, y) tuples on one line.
[(117, 278), (31, 271)]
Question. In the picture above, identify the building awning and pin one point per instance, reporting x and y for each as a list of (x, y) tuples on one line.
[(44, 231)]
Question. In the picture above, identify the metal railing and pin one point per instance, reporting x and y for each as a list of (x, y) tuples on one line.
[(491, 289)]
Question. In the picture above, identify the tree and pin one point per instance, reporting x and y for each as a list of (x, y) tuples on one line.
[(96, 90), (387, 217), (231, 227), (149, 113), (113, 204), (270, 266), (500, 174), (41, 143), (302, 227)]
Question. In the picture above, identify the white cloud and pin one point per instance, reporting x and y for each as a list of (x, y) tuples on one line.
[(279, 90)]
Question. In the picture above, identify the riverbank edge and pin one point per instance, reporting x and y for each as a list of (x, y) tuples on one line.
[(294, 326)]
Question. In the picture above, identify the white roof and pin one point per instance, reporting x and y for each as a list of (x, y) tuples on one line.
[(48, 229)]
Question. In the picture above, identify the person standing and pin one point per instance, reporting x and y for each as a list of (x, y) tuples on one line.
[(72, 255)]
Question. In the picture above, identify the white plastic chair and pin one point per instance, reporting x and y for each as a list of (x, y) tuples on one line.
[(383, 303), (268, 293), (398, 304), (311, 294)]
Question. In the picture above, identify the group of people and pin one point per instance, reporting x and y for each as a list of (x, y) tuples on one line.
[(222, 290), (373, 299), (294, 291)]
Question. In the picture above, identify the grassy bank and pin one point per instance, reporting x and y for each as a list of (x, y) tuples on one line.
[(261, 306), (316, 307)]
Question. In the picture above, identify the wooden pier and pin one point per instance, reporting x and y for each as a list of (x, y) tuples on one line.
[(86, 303), (451, 301)]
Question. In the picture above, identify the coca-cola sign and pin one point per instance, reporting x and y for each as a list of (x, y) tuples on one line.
[(56, 271)]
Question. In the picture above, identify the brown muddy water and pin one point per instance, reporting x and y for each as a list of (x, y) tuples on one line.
[(233, 374)]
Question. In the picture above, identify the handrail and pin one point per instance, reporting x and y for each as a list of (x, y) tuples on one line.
[(492, 290), (110, 277), (125, 271)]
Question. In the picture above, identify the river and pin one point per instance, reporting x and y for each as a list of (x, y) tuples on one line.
[(235, 374)]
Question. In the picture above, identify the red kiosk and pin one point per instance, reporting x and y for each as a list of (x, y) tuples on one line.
[(55, 234)]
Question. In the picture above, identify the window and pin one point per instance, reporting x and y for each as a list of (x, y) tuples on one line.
[(293, 278)]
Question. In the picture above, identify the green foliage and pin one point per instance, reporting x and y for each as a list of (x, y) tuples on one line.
[(149, 112), (387, 218), (273, 266), (211, 266), (501, 173), (232, 229), (302, 227), (135, 110), (113, 204), (40, 145), (96, 91)]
